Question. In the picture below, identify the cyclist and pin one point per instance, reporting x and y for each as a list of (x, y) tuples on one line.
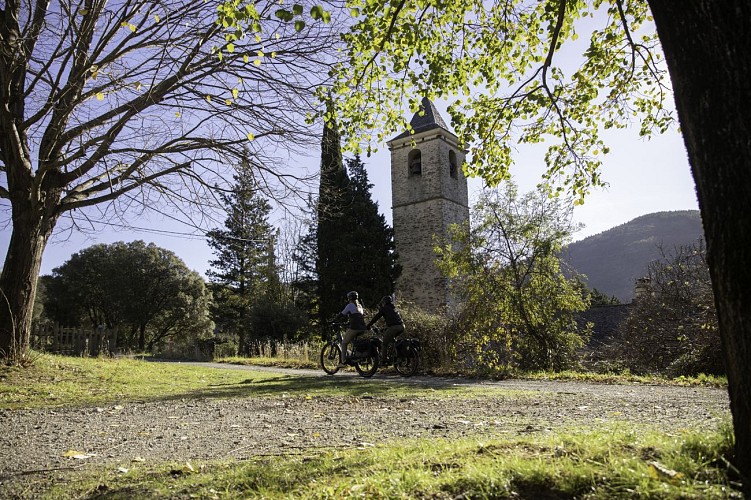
[(354, 311), (394, 325)]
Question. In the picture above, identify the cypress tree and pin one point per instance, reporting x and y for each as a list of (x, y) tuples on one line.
[(371, 239), (354, 245), (332, 252)]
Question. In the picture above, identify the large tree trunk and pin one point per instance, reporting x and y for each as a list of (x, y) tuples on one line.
[(18, 283), (706, 44), (34, 210)]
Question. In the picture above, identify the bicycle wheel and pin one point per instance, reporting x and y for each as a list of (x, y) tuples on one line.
[(368, 366), (330, 358), (407, 366)]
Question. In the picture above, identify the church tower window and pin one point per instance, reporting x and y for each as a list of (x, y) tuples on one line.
[(415, 162), (453, 168)]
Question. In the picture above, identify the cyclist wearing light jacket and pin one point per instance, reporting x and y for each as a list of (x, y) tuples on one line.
[(354, 311)]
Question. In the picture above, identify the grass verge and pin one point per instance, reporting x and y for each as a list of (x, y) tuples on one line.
[(60, 381), (610, 462)]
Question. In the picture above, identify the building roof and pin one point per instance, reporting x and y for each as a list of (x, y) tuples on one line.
[(431, 119)]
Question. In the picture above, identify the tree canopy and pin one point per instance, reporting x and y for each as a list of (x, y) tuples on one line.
[(498, 65), (517, 305), (144, 291)]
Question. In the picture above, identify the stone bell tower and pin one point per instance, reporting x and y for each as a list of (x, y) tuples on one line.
[(429, 194)]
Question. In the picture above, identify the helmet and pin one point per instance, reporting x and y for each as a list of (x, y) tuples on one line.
[(388, 299), (352, 295)]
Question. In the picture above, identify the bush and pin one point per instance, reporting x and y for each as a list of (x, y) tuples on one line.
[(434, 332), (672, 328), (277, 321)]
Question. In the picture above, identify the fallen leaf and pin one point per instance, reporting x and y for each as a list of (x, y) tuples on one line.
[(659, 471), (78, 455)]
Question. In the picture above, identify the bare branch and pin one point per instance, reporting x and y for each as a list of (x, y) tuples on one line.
[(145, 95), (136, 183)]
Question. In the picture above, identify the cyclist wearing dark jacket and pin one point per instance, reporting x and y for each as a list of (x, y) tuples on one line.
[(394, 324)]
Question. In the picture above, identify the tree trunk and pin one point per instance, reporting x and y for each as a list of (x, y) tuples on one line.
[(18, 283), (142, 337), (706, 44)]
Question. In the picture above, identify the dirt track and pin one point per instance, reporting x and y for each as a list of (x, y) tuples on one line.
[(33, 443)]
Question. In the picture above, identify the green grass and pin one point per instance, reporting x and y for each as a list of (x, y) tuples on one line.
[(606, 461), (609, 462), (59, 381), (627, 378)]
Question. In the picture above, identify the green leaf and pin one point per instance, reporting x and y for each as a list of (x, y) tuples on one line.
[(284, 15)]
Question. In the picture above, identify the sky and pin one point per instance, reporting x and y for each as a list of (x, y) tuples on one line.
[(644, 176)]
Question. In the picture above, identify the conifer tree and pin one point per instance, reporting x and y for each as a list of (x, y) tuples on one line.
[(305, 257), (354, 245), (371, 237), (245, 268), (332, 253)]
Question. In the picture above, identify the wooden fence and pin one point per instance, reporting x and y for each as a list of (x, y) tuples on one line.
[(74, 341)]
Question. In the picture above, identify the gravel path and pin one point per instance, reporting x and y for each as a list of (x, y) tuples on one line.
[(33, 443)]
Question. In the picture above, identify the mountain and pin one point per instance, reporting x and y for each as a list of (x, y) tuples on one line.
[(614, 259)]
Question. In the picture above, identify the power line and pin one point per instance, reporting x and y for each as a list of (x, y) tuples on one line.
[(165, 232), (178, 234)]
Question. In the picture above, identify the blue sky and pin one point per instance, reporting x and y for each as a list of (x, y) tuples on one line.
[(644, 176)]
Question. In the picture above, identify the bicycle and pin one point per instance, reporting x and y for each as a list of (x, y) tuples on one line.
[(363, 353), (405, 354)]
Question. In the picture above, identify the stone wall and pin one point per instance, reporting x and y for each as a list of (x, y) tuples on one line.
[(425, 205)]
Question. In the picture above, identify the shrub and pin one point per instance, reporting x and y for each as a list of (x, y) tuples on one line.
[(672, 328), (435, 333)]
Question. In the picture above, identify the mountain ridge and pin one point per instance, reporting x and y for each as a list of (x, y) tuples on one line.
[(612, 260)]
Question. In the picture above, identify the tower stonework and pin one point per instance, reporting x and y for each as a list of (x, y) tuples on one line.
[(429, 194)]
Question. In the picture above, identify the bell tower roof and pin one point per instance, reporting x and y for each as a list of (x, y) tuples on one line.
[(429, 120)]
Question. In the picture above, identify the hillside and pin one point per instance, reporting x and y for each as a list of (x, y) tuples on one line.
[(614, 259)]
